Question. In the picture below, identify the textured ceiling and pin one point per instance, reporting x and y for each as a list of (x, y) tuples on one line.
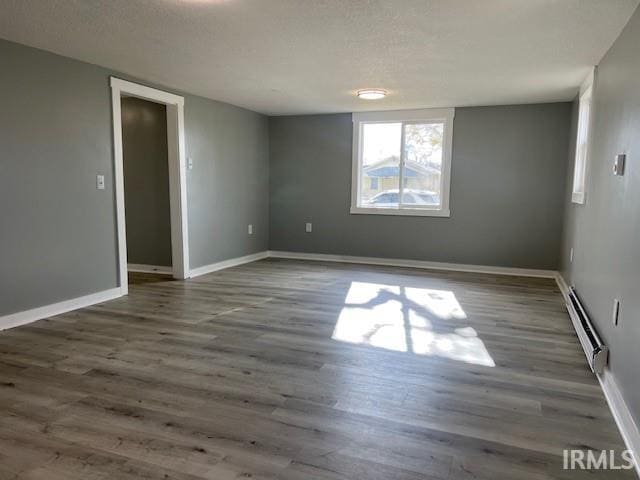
[(309, 56)]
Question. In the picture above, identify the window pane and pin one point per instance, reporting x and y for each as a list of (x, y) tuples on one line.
[(380, 164), (423, 164), (579, 178)]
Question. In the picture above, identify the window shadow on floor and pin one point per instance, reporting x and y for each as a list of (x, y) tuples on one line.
[(420, 321)]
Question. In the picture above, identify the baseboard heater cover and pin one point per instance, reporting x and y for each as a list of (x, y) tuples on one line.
[(596, 351)]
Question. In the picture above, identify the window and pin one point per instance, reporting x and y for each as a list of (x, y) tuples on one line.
[(402, 162), (582, 142)]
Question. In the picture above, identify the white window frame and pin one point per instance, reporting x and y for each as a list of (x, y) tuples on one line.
[(432, 115), (583, 135)]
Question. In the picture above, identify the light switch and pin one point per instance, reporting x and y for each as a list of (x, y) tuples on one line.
[(618, 166), (100, 182), (308, 227), (250, 229)]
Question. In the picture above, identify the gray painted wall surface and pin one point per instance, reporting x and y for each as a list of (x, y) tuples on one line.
[(58, 233), (568, 224), (57, 237), (146, 182), (605, 232), (507, 191), (229, 184)]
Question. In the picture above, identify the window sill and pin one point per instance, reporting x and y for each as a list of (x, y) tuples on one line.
[(406, 212), (578, 198)]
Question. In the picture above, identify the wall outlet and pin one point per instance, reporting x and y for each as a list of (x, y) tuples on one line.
[(100, 182), (308, 227), (250, 229), (616, 311), (190, 163), (571, 256)]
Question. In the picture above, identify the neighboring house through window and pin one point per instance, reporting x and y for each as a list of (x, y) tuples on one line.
[(402, 162)]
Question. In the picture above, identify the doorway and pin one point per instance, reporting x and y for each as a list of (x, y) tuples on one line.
[(131, 99)]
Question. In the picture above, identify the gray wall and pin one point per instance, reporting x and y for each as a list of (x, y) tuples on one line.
[(146, 182), (605, 232), (507, 191), (229, 184), (58, 233), (569, 220)]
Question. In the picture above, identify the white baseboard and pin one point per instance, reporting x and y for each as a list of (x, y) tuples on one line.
[(396, 262), (28, 316), (140, 268), (232, 262), (622, 415)]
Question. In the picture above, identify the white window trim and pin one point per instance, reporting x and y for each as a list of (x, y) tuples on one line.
[(578, 197), (579, 192), (444, 115)]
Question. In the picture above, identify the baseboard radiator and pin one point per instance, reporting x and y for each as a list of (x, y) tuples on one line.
[(596, 351)]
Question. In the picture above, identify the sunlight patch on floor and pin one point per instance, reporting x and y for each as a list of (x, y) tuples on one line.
[(400, 319)]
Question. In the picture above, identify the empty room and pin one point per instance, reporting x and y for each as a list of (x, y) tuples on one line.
[(319, 239)]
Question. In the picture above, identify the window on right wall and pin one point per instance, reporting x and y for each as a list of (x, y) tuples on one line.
[(582, 141)]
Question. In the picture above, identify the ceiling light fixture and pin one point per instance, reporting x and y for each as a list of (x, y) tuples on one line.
[(372, 94)]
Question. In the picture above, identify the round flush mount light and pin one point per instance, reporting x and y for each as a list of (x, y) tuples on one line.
[(372, 94)]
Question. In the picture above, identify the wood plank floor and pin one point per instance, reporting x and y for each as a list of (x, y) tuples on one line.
[(294, 370)]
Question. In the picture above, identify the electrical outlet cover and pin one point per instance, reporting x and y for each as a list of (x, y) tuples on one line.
[(618, 166)]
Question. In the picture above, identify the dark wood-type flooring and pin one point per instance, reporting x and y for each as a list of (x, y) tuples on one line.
[(295, 370)]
